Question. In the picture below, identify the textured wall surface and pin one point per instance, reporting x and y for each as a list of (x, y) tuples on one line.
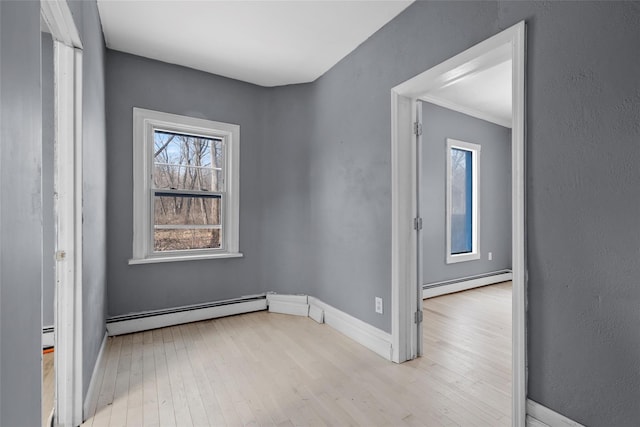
[(583, 210), (20, 215), (582, 204), (48, 226), (494, 211), (138, 82), (350, 157), (94, 187), (315, 215)]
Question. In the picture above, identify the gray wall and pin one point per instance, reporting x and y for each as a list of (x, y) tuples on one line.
[(20, 215), (582, 193), (94, 250), (138, 82), (286, 217), (495, 193), (48, 226), (582, 215)]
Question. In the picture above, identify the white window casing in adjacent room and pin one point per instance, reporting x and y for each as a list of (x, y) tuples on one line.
[(462, 206), (185, 188)]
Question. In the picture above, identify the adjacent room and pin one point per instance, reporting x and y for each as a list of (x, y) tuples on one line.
[(293, 213)]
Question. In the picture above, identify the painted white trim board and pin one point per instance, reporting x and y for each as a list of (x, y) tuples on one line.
[(58, 17), (162, 320), (465, 285), (296, 305), (541, 416), (316, 313), (361, 332), (91, 399), (532, 422)]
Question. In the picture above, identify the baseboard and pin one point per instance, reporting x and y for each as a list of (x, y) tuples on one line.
[(91, 399), (162, 318), (363, 333), (316, 313), (532, 422), (541, 416), (443, 288), (47, 337), (296, 305)]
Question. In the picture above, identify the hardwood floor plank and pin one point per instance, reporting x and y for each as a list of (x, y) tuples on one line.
[(267, 369), (166, 414), (48, 386)]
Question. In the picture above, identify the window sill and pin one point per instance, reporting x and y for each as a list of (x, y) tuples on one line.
[(452, 259), (173, 258)]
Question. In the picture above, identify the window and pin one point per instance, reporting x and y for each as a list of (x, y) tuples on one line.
[(463, 170), (185, 188)]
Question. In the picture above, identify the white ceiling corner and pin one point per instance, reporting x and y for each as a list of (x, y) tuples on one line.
[(266, 42)]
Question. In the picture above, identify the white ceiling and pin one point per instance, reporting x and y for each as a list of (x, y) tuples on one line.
[(266, 42), (485, 94)]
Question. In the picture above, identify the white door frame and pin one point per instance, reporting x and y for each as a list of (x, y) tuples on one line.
[(404, 151), (67, 211)]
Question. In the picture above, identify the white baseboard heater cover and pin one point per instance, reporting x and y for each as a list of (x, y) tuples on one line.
[(154, 319), (450, 286), (296, 305)]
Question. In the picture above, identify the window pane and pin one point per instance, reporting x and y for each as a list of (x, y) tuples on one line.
[(187, 209), (186, 221), (461, 201), (187, 162), (184, 239)]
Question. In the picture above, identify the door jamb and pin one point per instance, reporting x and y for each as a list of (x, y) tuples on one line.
[(68, 212), (404, 203)]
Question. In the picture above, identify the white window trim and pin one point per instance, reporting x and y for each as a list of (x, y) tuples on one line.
[(144, 123), (475, 222)]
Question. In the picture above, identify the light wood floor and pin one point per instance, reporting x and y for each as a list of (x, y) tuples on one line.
[(47, 387), (278, 370)]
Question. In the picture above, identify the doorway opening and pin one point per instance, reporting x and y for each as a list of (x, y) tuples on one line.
[(61, 75), (407, 217)]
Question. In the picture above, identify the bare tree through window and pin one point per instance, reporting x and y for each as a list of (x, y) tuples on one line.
[(189, 188)]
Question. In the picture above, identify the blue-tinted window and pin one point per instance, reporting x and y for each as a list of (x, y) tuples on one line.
[(461, 201)]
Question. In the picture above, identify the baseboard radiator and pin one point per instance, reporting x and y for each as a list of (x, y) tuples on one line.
[(435, 289), (154, 319)]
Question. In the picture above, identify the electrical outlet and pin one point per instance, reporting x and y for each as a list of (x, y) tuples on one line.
[(378, 305), (490, 256)]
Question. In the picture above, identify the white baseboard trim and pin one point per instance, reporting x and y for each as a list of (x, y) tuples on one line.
[(464, 285), (96, 380), (316, 313), (363, 333), (296, 305), (163, 318), (541, 416), (47, 337)]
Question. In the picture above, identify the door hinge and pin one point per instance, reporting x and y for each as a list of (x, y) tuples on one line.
[(60, 255), (417, 128), (417, 223), (417, 318)]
